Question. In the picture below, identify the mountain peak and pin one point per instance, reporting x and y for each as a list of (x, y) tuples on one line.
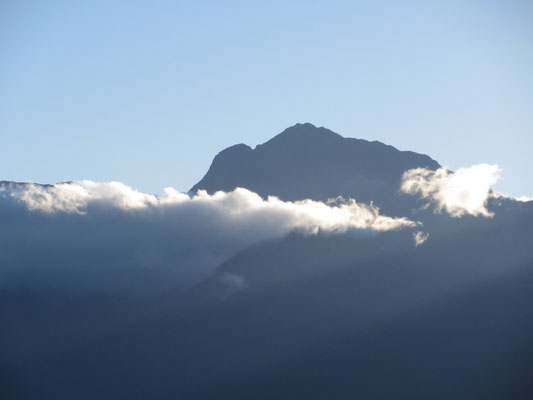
[(306, 127), (305, 161), (302, 132)]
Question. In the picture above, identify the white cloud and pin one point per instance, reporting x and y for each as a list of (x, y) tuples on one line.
[(465, 191), (522, 199), (420, 237), (106, 235), (74, 197), (238, 205)]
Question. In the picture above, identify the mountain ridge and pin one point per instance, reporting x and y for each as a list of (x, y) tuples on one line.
[(305, 161)]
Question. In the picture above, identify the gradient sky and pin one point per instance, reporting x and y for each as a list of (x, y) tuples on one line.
[(147, 93)]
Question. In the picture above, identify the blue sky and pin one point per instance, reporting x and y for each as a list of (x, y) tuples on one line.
[(147, 93)]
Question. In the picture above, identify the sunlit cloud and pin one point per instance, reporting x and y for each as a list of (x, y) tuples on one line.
[(74, 197), (99, 236), (464, 191), (522, 199), (240, 204)]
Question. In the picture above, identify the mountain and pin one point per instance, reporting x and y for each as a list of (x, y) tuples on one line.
[(309, 162), (330, 316), (326, 316)]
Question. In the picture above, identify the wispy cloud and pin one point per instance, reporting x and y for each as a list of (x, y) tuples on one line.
[(420, 237), (464, 191)]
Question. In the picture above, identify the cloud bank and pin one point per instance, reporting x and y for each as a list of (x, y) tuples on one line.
[(106, 236), (241, 204), (465, 191)]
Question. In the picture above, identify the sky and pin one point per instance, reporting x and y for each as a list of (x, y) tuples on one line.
[(146, 93)]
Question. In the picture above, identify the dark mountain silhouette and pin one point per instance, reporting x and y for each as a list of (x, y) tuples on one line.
[(309, 162), (331, 316)]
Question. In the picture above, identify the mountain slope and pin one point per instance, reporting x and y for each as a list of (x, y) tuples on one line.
[(309, 162), (333, 316)]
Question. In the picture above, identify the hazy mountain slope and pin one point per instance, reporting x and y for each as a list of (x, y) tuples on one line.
[(475, 345), (309, 162), (335, 315)]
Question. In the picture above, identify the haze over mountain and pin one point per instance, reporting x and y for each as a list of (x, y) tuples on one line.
[(302, 299)]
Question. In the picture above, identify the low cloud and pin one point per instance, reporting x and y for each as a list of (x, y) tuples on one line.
[(521, 199), (524, 199), (75, 197), (106, 236), (464, 191)]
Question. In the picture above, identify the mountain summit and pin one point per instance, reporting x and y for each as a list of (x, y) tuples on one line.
[(305, 161)]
